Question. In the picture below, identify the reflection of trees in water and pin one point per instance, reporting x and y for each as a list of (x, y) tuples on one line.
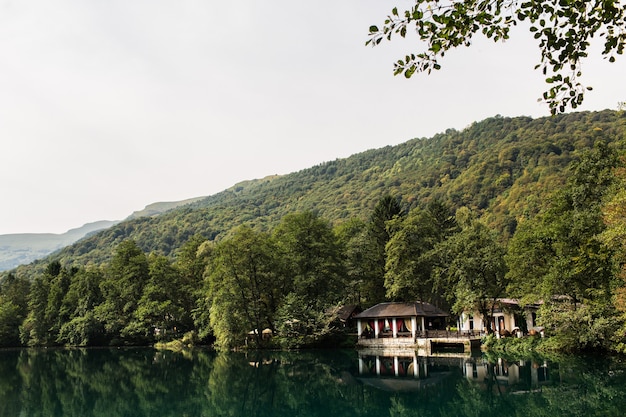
[(143, 382), (576, 387), (103, 383)]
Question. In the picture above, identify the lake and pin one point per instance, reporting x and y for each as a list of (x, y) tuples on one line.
[(146, 382)]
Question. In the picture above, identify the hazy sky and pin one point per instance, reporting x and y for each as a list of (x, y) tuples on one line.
[(107, 106)]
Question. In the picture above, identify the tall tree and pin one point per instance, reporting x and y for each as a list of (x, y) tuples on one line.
[(562, 255), (81, 328), (313, 258), (122, 287), (244, 287), (353, 236), (191, 262), (560, 252), (13, 309), (472, 269), (387, 209), (564, 30), (409, 259), (40, 326), (160, 311), (314, 265)]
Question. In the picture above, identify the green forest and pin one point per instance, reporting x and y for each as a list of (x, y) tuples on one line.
[(533, 209)]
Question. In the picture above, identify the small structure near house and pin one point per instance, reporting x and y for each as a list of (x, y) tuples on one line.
[(401, 326), (509, 318), (266, 334), (345, 315)]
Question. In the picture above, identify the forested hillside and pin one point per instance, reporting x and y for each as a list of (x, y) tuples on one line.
[(507, 207), (503, 168)]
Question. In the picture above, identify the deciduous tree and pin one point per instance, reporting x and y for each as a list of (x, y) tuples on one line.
[(409, 259), (244, 287), (122, 288), (472, 268)]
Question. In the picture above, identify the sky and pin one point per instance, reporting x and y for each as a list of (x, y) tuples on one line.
[(108, 106)]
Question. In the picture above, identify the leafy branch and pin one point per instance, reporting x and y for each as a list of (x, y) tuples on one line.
[(564, 29)]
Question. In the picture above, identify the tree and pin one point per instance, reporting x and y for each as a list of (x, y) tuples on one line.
[(160, 310), (471, 267), (314, 267), (42, 323), (244, 287), (191, 262), (559, 252), (388, 208), (564, 30), (13, 308), (122, 287), (564, 254), (313, 258), (614, 236), (34, 329), (80, 326), (9, 323), (409, 259), (353, 237)]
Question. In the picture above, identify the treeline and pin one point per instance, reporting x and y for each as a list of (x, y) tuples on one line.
[(291, 279)]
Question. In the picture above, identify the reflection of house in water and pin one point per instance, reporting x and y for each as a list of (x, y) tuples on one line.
[(405, 371), (514, 377)]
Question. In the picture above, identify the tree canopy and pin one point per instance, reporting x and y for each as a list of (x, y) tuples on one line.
[(564, 30)]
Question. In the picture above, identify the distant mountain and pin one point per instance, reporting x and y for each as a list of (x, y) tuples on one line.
[(155, 209), (24, 248), (504, 169)]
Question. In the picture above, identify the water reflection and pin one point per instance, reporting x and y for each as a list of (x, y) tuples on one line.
[(515, 376), (406, 371), (145, 382)]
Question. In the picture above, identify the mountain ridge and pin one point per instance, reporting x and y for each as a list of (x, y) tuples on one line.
[(502, 168), (22, 248)]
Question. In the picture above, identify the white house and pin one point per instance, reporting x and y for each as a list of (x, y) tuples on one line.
[(509, 317)]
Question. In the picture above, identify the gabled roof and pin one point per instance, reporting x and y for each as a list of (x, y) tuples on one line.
[(345, 312), (416, 308)]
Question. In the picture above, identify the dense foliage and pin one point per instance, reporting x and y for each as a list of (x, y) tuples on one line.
[(508, 207)]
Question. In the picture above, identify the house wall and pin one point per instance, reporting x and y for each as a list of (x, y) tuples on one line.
[(502, 321)]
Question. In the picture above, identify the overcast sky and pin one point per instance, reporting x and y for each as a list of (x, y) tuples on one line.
[(107, 106)]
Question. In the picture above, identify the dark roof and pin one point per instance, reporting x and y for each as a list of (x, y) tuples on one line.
[(345, 312), (416, 308)]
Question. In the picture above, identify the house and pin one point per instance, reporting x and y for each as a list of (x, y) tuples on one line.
[(399, 319), (401, 328), (509, 317)]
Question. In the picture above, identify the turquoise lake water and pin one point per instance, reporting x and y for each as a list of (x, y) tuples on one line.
[(145, 382)]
